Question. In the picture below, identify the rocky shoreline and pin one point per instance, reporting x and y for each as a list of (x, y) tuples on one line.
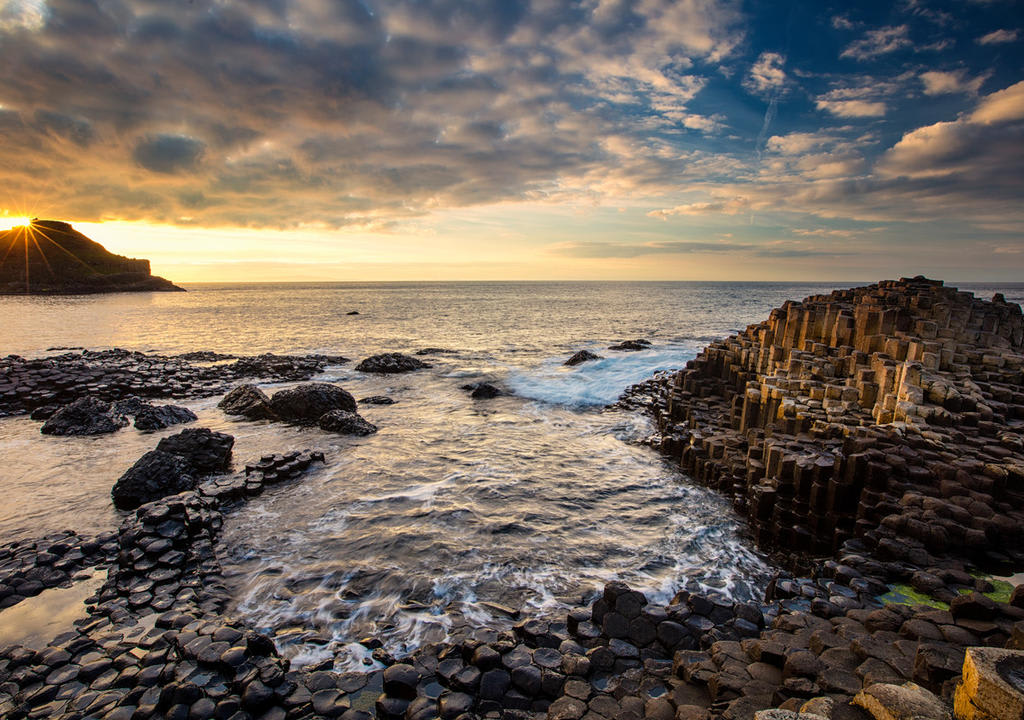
[(873, 439)]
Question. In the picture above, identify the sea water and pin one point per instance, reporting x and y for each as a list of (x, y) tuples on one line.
[(458, 513)]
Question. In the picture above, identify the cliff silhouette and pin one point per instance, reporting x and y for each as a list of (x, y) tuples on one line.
[(49, 257)]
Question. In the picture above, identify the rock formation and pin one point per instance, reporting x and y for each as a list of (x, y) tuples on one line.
[(888, 413), (49, 257)]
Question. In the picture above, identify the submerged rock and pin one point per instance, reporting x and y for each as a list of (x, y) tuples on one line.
[(482, 390), (390, 364), (153, 476), (308, 402), (377, 400), (249, 401), (631, 345), (204, 450), (162, 416), (346, 423), (581, 357), (85, 416)]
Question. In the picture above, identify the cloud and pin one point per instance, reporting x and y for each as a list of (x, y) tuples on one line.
[(777, 249), (1003, 106), (729, 206), (998, 37), (168, 153), (852, 108), (943, 83), (22, 14), (797, 143), (766, 74), (878, 42)]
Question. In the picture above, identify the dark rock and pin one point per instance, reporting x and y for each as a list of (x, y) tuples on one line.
[(307, 403), (85, 416), (352, 312), (346, 423), (482, 390), (581, 357), (377, 400), (632, 345), (400, 680), (204, 450), (153, 476), (249, 401), (390, 363), (162, 416)]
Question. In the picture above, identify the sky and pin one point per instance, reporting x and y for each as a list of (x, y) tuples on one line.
[(233, 140)]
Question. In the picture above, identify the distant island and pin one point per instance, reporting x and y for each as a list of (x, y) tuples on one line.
[(49, 257)]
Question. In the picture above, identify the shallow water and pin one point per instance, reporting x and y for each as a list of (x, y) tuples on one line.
[(529, 501)]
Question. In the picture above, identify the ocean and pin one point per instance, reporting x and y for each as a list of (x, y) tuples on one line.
[(458, 510)]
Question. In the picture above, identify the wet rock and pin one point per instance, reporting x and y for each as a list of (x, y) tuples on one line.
[(581, 357), (249, 401), (204, 450), (346, 423), (153, 476), (482, 390), (400, 680), (390, 364), (631, 345), (162, 416), (85, 416), (377, 400), (307, 403)]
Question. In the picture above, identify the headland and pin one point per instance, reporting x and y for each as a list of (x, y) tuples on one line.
[(49, 257)]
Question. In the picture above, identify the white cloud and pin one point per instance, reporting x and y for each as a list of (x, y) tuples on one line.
[(797, 143), (944, 83), (841, 22), (878, 42), (766, 73), (1002, 106), (852, 108), (998, 37)]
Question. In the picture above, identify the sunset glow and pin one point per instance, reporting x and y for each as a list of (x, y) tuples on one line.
[(466, 140)]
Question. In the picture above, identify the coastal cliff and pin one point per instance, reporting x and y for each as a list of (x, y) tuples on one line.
[(49, 257)]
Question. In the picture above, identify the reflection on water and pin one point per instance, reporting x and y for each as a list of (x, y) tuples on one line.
[(36, 620)]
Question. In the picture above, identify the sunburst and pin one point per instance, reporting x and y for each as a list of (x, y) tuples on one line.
[(25, 236), (8, 222)]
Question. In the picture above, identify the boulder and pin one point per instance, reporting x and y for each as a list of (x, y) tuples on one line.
[(901, 702), (346, 423), (306, 403), (247, 400), (85, 416), (581, 357), (377, 400), (131, 405), (390, 364), (153, 476), (632, 345), (482, 390), (162, 416), (203, 450)]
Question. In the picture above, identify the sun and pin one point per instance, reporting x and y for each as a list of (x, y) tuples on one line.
[(12, 221)]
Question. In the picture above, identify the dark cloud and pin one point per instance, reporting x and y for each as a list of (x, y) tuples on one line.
[(168, 153)]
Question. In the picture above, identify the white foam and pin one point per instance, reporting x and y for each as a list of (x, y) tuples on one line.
[(596, 382)]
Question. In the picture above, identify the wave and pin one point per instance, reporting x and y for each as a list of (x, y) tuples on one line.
[(597, 382)]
